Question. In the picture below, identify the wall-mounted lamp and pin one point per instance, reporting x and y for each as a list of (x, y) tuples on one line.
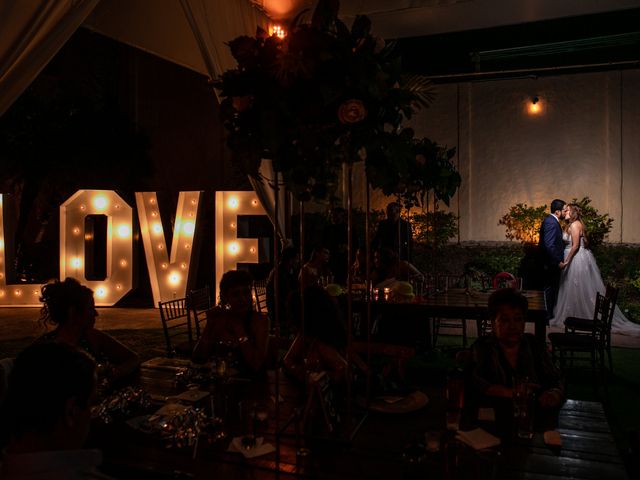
[(535, 105)]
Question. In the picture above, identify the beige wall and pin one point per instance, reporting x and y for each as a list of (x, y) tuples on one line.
[(586, 141)]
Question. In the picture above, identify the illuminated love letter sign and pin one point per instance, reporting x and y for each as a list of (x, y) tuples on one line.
[(119, 242), (169, 275), (231, 250), (17, 295)]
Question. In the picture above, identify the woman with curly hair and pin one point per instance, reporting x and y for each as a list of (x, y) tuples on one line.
[(69, 307)]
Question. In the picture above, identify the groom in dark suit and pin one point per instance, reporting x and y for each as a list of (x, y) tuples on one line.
[(551, 249)]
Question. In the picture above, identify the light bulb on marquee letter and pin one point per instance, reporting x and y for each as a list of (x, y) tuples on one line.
[(16, 295), (167, 285), (231, 250), (119, 242)]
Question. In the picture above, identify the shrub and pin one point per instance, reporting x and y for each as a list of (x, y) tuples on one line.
[(523, 222), (434, 228), (597, 226)]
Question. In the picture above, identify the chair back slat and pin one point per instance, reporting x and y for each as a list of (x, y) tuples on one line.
[(176, 324), (260, 294), (198, 302)]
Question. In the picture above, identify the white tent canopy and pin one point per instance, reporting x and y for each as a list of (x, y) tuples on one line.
[(192, 33)]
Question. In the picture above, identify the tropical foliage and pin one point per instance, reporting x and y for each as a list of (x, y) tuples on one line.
[(326, 95), (434, 228), (523, 222)]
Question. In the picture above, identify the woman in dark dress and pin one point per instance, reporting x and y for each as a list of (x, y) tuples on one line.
[(70, 308), (235, 324)]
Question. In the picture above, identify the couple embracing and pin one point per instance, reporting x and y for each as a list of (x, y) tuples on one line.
[(571, 274)]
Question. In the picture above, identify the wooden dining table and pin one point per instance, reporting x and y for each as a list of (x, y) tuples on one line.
[(414, 320), (385, 446)]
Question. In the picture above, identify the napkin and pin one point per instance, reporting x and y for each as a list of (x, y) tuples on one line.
[(259, 449), (478, 439), (192, 395), (486, 414)]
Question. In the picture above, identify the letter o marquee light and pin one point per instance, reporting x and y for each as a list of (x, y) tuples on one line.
[(119, 279)]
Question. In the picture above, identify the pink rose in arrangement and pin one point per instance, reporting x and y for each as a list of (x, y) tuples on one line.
[(352, 111), (240, 104)]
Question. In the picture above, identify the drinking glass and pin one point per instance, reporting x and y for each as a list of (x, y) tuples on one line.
[(454, 393), (523, 407)]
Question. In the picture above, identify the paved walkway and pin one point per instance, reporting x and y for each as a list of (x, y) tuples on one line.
[(23, 322)]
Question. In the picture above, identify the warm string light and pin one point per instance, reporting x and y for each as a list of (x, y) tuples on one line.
[(277, 31)]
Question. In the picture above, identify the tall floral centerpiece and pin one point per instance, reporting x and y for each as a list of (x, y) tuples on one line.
[(326, 95)]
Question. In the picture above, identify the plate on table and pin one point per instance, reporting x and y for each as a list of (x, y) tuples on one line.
[(399, 403)]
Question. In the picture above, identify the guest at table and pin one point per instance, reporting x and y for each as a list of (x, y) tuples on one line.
[(388, 269), (47, 414), (287, 284), (508, 353), (395, 233), (70, 308), (359, 267), (322, 339), (316, 268), (234, 324), (334, 237)]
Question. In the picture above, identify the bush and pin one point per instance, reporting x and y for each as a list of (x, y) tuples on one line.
[(597, 226), (523, 222), (434, 228)]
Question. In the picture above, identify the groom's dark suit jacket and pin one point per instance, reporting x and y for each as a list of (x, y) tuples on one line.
[(551, 244)]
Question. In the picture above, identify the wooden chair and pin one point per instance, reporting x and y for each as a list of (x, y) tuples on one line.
[(198, 302), (177, 327), (593, 344), (585, 325), (260, 294), (444, 283)]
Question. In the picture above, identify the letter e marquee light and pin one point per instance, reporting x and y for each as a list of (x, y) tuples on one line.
[(231, 250)]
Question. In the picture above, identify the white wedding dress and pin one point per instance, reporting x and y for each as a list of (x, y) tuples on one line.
[(579, 283)]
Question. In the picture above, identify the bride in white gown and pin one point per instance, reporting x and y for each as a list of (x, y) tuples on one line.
[(580, 280)]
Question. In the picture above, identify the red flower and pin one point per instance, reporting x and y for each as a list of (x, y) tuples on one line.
[(352, 111), (240, 104)]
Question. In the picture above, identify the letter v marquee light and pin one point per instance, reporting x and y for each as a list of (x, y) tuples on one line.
[(168, 271)]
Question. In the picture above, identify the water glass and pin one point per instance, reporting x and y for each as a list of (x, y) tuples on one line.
[(523, 408), (454, 393)]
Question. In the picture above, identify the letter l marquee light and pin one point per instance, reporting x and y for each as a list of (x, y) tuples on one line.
[(169, 275), (16, 295)]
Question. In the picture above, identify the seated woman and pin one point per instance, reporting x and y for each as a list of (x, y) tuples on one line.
[(359, 267), (508, 352), (316, 268), (320, 344), (389, 269), (69, 306), (234, 323)]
